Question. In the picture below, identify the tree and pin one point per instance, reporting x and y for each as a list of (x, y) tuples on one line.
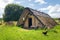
[(12, 12), (58, 19)]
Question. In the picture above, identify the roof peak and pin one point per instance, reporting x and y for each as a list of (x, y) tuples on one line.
[(36, 11), (33, 9)]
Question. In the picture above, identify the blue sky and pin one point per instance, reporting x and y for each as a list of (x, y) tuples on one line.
[(51, 7)]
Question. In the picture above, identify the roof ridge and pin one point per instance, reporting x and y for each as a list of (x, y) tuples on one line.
[(36, 12)]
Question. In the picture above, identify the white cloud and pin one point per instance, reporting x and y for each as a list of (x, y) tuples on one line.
[(17, 2), (31, 5), (1, 16), (41, 1), (1, 12), (53, 11), (56, 15), (29, 0), (47, 8), (3, 3)]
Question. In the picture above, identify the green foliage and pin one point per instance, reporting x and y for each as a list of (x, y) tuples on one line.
[(17, 33), (12, 12)]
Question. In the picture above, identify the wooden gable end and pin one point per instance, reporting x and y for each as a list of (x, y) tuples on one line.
[(23, 17)]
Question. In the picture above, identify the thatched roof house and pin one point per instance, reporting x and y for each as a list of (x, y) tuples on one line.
[(31, 18)]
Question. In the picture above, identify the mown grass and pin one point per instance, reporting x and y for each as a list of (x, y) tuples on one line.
[(17, 33)]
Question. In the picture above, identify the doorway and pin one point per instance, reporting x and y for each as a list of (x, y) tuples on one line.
[(29, 22)]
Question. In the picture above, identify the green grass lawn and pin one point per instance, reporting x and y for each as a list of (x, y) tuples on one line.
[(17, 33)]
